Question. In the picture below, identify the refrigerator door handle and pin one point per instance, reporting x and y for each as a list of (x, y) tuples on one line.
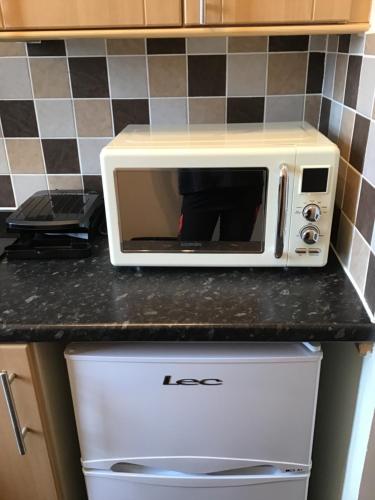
[(173, 478)]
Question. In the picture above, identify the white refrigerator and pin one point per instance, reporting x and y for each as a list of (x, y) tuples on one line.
[(195, 421)]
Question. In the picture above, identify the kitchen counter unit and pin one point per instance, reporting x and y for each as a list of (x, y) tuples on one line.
[(89, 299)]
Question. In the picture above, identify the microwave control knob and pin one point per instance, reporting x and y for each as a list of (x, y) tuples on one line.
[(311, 213), (310, 234)]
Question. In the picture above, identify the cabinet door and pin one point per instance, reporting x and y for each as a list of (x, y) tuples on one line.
[(29, 476), (332, 10), (49, 14), (237, 12)]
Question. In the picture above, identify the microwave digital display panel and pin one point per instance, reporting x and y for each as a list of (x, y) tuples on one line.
[(314, 180), (192, 209)]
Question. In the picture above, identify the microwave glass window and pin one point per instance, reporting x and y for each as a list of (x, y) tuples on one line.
[(192, 209), (314, 180)]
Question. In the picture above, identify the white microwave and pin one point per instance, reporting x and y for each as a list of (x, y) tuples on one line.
[(220, 195)]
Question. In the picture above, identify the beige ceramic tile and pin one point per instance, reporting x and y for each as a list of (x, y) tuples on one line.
[(351, 193), (287, 74), (247, 74), (93, 118), (50, 77), (318, 43), (370, 44), (248, 44), (207, 110), (284, 108), (4, 167), (344, 239), (359, 260), (340, 183), (312, 109), (340, 77), (65, 181), (25, 156), (333, 43), (12, 49), (214, 45), (131, 46), (346, 132), (167, 76)]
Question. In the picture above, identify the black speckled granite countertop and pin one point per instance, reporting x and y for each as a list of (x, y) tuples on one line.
[(89, 299)]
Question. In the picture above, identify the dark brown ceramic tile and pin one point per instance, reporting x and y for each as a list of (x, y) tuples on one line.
[(366, 210), (352, 81), (166, 46), (92, 183), (89, 77), (288, 43), (370, 284), (46, 48), (312, 109), (18, 119), (359, 142), (315, 73), (335, 225), (61, 156), (344, 43), (6, 192), (351, 193), (325, 115), (245, 109), (207, 75), (130, 112)]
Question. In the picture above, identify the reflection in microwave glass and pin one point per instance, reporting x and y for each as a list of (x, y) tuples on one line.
[(194, 209)]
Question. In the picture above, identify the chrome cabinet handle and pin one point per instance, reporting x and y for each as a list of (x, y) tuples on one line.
[(6, 380), (281, 209), (202, 12)]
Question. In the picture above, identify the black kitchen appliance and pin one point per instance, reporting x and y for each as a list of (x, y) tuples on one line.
[(55, 224)]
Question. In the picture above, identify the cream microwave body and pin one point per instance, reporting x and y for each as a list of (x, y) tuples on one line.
[(220, 195)]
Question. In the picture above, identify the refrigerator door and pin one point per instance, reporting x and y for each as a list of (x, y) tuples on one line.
[(207, 407), (102, 485)]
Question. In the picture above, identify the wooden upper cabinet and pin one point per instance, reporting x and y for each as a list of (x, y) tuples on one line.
[(253, 12), (55, 14)]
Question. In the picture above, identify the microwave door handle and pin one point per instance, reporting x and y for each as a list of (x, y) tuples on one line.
[(281, 210)]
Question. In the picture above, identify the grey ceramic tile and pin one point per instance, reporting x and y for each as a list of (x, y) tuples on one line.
[(284, 108), (247, 74), (366, 211), (329, 75), (318, 43), (65, 182), (207, 110), (357, 44), (55, 118), (50, 77), (89, 151), (25, 156), (335, 121), (351, 193), (333, 43), (340, 77), (7, 199), (248, 44), (26, 185), (341, 179), (344, 240), (93, 117), (346, 132), (168, 111), (85, 47), (312, 109), (12, 49), (126, 46), (214, 45), (360, 256), (128, 76), (15, 78), (369, 165), (287, 73), (4, 167), (167, 76), (370, 284), (366, 87)]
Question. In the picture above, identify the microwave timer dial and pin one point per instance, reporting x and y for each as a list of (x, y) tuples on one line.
[(310, 234), (311, 212)]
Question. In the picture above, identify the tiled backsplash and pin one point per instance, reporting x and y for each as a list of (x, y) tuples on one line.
[(62, 101), (347, 117)]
